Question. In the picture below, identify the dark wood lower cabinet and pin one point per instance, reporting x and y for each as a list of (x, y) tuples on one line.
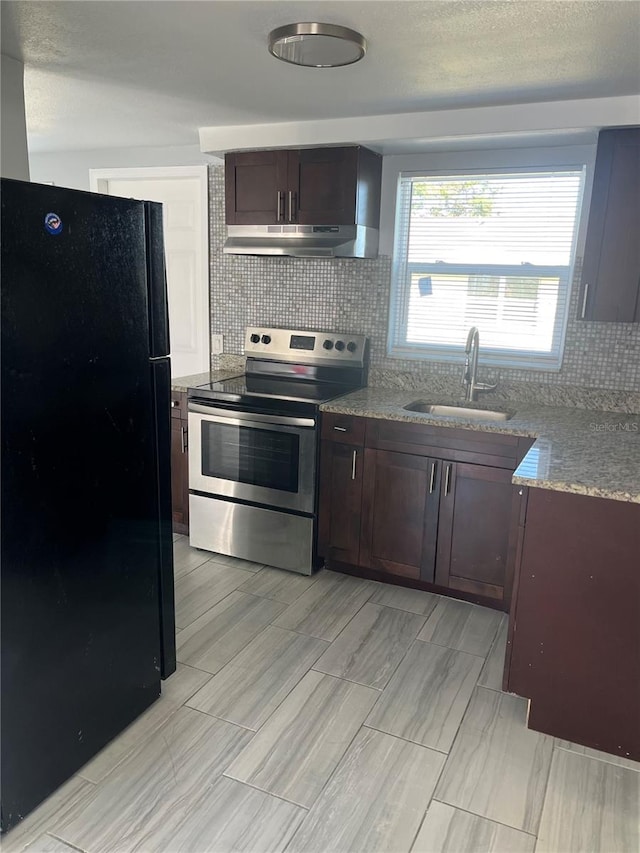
[(477, 530), (340, 501), (420, 519), (179, 464), (575, 620), (400, 514)]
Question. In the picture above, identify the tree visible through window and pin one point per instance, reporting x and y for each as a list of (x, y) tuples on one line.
[(493, 251)]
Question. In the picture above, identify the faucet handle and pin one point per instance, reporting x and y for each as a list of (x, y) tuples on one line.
[(485, 386)]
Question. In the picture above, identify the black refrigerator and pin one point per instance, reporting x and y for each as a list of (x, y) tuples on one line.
[(88, 627)]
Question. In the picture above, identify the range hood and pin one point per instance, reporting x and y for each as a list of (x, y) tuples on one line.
[(303, 241)]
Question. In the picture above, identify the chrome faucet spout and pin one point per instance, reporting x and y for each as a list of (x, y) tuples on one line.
[(469, 378)]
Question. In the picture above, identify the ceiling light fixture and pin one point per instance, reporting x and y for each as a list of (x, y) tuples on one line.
[(317, 45)]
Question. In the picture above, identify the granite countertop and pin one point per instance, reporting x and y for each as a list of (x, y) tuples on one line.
[(584, 451), (182, 383)]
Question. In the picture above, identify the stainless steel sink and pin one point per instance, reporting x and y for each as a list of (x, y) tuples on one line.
[(458, 411)]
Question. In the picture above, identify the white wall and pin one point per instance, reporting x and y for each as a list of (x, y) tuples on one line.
[(14, 157), (71, 168)]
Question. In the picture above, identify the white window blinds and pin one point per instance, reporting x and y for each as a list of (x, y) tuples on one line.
[(492, 250)]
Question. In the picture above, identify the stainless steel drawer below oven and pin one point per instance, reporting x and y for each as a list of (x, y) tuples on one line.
[(252, 533)]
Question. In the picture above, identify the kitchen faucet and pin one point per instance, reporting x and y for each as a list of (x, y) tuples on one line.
[(472, 386)]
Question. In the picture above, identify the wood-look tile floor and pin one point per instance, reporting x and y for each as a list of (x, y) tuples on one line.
[(334, 714)]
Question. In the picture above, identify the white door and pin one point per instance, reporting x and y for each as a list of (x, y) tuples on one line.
[(183, 191)]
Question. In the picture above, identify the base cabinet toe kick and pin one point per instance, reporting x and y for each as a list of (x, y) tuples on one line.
[(434, 508)]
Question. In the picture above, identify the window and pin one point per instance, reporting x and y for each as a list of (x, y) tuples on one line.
[(493, 250)]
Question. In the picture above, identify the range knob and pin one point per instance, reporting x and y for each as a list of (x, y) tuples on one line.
[(266, 339), (255, 339), (352, 346), (328, 344), (339, 345)]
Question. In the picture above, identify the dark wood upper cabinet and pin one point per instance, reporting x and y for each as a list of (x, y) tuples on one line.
[(254, 187), (611, 266), (477, 530), (314, 186), (400, 514)]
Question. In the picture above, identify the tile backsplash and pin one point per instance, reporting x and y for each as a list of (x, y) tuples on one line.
[(601, 365)]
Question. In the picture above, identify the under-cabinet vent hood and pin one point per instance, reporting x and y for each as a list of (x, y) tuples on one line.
[(303, 241)]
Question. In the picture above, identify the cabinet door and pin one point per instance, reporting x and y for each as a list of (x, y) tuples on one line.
[(179, 476), (255, 184), (400, 513), (611, 266), (477, 529), (325, 181), (340, 501)]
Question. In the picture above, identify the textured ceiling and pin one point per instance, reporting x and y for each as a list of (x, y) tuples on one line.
[(103, 74)]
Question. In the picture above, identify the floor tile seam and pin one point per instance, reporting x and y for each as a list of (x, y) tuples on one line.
[(492, 647), (598, 758), (443, 646), (404, 609), (232, 663), (548, 774), (285, 697), (204, 613), (405, 739), (471, 604), (231, 592), (543, 798), (273, 598), (52, 834), (447, 753), (188, 572), (222, 720), (348, 680), (147, 737), (483, 817), (226, 775), (231, 566), (395, 669), (335, 769), (346, 625)]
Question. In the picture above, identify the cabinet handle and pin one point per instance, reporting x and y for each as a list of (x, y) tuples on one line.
[(175, 404), (280, 206), (432, 478), (183, 439), (447, 480), (353, 464), (292, 206), (340, 429), (584, 301)]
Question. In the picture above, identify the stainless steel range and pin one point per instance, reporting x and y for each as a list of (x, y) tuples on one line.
[(254, 442)]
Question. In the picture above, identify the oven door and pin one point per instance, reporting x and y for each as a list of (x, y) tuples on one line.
[(261, 458)]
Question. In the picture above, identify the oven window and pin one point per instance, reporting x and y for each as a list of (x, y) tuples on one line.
[(261, 457)]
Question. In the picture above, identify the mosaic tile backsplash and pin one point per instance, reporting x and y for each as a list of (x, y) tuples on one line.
[(601, 366)]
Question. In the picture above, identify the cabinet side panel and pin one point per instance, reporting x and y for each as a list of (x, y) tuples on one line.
[(576, 643)]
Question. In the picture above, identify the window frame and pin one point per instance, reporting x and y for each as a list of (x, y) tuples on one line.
[(398, 347)]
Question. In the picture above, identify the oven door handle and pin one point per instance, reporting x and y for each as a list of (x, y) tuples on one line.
[(236, 418)]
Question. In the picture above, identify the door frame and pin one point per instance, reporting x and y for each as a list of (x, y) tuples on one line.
[(99, 182)]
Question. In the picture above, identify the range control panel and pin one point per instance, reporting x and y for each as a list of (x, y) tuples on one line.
[(296, 344)]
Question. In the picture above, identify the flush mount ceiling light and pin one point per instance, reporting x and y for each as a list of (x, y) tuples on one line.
[(317, 45)]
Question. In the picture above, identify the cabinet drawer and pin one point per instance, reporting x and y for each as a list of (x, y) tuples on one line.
[(454, 443), (343, 428), (178, 404)]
